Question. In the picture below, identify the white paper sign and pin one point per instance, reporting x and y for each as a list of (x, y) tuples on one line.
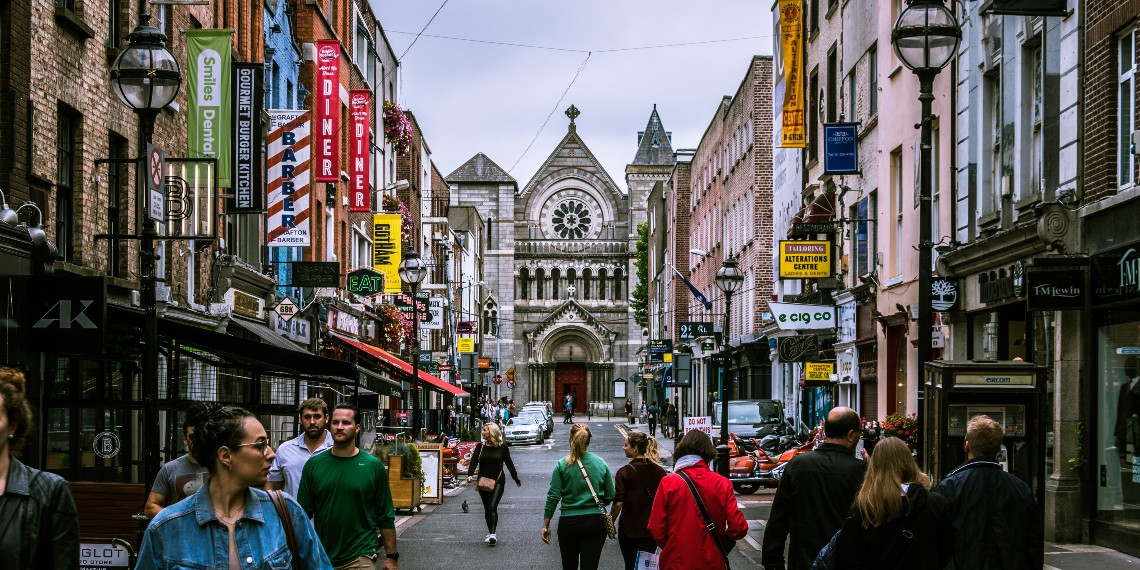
[(434, 319), (702, 423)]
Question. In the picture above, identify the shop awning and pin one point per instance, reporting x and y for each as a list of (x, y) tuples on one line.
[(822, 209), (799, 217), (267, 335), (391, 360)]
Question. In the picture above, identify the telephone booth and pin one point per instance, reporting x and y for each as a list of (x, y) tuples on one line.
[(1010, 392)]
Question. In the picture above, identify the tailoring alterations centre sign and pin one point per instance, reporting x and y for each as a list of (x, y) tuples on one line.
[(805, 259)]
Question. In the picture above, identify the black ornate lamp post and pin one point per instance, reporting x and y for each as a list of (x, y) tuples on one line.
[(146, 78), (925, 38), (729, 279), (413, 271)]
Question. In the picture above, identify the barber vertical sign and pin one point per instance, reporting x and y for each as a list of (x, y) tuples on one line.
[(327, 112), (210, 105), (248, 101), (287, 180), (359, 152)]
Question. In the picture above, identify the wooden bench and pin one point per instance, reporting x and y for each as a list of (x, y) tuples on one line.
[(105, 509)]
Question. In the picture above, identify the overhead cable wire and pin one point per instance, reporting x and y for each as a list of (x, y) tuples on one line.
[(552, 111), (422, 30), (575, 50)]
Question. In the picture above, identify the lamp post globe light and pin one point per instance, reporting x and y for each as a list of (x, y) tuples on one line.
[(146, 78), (729, 279), (413, 271), (925, 38)]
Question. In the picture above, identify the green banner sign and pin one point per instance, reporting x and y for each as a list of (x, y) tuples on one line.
[(209, 105)]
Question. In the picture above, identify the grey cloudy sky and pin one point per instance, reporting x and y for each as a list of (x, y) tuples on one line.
[(474, 97)]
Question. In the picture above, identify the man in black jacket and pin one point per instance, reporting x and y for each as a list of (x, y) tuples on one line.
[(993, 512), (815, 494)]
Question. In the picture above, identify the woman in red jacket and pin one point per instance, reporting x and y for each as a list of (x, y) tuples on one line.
[(676, 522)]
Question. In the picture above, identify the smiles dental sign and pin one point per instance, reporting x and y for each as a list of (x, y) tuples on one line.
[(797, 317), (209, 118)]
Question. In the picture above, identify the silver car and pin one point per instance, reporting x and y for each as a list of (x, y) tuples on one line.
[(523, 429), (543, 409), (547, 426)]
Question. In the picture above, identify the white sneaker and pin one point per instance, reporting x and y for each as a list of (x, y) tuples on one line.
[(491, 539), (487, 539)]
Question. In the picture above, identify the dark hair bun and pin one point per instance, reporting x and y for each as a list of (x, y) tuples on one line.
[(14, 377)]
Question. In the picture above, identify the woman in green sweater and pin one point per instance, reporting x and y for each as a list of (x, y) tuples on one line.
[(581, 527)]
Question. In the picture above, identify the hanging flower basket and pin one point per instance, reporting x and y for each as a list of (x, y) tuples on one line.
[(397, 128), (394, 327), (902, 427), (397, 206)]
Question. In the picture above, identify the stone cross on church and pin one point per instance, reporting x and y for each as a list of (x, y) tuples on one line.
[(573, 113)]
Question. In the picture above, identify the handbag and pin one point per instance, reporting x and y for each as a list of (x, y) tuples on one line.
[(278, 501), (709, 526), (487, 484), (611, 530)]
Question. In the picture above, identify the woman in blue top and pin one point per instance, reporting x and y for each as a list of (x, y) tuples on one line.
[(205, 529), (581, 527)]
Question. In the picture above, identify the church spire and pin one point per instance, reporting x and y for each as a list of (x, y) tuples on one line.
[(654, 144)]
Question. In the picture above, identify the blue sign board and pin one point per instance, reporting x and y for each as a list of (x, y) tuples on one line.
[(841, 148)]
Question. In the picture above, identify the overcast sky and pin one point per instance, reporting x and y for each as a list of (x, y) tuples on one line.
[(474, 97)]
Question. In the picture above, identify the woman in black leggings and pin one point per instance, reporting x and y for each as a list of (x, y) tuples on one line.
[(492, 457)]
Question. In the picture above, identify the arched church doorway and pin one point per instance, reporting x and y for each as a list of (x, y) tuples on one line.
[(570, 381)]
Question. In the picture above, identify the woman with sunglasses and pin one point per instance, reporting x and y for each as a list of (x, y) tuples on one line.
[(205, 529)]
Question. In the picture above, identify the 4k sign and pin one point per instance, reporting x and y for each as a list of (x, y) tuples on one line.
[(66, 312)]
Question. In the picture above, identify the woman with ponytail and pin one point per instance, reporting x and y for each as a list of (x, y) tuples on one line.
[(39, 528), (581, 527), (636, 483)]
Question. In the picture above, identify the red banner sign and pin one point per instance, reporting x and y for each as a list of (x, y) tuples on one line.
[(326, 103), (360, 109)]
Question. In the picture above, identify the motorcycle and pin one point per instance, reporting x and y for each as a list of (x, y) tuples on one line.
[(750, 466)]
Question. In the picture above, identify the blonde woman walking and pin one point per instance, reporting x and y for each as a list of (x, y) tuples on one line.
[(492, 457), (581, 527)]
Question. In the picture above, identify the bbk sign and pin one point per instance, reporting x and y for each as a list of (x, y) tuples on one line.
[(797, 317), (65, 311)]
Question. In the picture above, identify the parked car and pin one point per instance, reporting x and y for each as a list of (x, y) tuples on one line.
[(751, 418), (524, 429), (545, 410), (543, 420)]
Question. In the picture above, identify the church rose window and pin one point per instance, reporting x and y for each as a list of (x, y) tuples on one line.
[(571, 220)]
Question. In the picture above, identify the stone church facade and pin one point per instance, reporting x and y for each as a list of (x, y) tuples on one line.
[(559, 266)]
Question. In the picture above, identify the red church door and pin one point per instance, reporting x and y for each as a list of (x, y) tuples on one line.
[(570, 378)]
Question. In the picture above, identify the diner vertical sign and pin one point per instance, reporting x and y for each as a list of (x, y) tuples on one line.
[(247, 100), (791, 50), (209, 104), (288, 216), (360, 109), (326, 112)]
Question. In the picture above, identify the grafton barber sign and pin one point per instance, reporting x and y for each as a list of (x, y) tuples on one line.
[(326, 114)]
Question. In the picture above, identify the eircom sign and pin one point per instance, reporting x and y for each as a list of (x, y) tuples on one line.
[(797, 317), (700, 423)]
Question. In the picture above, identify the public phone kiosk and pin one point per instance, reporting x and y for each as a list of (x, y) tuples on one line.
[(1010, 392)]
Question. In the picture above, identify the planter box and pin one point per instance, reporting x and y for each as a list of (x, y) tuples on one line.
[(407, 493)]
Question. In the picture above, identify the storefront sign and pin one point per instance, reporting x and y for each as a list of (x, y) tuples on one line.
[(244, 304), (326, 113), (658, 348), (840, 148), (1026, 8), (286, 309), (106, 444), (998, 285), (996, 380), (296, 329), (791, 51), (805, 259), (805, 229), (104, 554), (1116, 276), (316, 274), (341, 321), (209, 101), (287, 182), (359, 151), (796, 317), (386, 249), (404, 304), (365, 282), (694, 330), (433, 319), (63, 311), (1054, 289), (943, 295), (465, 345), (847, 331), (800, 348), (248, 101), (818, 371), (466, 327)]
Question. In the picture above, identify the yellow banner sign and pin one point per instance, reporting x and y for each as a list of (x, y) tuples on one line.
[(818, 371), (465, 345), (805, 259), (794, 132), (386, 249)]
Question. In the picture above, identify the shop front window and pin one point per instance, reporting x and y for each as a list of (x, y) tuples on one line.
[(1118, 398)]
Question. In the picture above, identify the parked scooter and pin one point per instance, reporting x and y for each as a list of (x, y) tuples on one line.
[(751, 465)]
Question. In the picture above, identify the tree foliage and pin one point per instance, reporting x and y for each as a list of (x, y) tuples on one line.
[(640, 302)]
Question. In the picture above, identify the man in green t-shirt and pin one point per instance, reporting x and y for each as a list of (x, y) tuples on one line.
[(347, 494)]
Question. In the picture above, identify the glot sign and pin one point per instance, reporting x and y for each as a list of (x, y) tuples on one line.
[(797, 317)]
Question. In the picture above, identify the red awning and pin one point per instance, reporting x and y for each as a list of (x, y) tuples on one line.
[(799, 217), (822, 209), (391, 360)]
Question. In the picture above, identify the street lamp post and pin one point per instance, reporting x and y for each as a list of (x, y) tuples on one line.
[(729, 279), (925, 38), (412, 271), (146, 78)]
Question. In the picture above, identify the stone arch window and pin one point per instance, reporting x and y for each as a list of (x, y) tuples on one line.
[(539, 277), (601, 284), (587, 278), (555, 278), (571, 281), (524, 284), (617, 285)]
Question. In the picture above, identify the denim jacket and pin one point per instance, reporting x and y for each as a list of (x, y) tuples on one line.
[(188, 535)]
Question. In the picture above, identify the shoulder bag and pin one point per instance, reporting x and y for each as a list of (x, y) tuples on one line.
[(279, 503), (709, 526), (487, 484), (611, 530)]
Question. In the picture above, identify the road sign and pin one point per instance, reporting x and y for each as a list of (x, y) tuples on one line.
[(498, 379), (155, 164), (511, 384), (286, 309), (511, 374)]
